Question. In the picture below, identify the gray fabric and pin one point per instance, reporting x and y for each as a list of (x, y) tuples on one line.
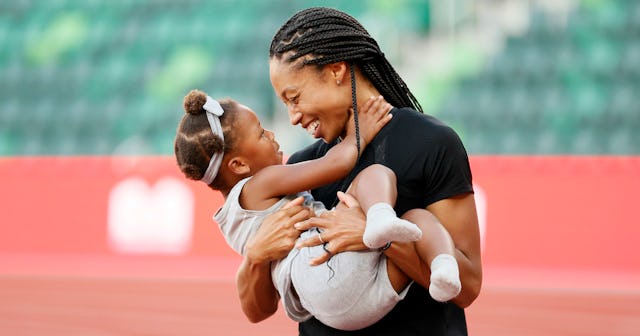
[(238, 224), (349, 292)]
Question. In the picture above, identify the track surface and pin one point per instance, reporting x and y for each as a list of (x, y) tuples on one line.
[(81, 305)]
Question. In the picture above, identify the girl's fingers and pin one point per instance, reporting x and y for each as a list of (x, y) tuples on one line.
[(367, 105)]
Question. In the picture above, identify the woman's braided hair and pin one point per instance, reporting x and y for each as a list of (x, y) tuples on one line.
[(328, 35)]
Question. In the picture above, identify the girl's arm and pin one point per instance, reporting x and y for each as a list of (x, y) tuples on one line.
[(276, 181)]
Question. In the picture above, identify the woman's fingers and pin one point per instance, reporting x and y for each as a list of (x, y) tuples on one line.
[(286, 218), (313, 241), (348, 200), (301, 215), (276, 236), (323, 258), (341, 230), (320, 222), (297, 201)]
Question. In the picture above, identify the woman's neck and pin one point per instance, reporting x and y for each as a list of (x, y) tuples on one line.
[(365, 90)]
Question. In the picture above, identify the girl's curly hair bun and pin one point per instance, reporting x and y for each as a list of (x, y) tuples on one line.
[(194, 101)]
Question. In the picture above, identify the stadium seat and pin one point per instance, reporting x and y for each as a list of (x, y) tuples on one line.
[(117, 72)]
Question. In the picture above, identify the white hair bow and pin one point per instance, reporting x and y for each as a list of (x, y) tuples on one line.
[(214, 111)]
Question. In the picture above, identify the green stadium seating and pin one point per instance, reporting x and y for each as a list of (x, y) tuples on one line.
[(105, 77), (557, 89)]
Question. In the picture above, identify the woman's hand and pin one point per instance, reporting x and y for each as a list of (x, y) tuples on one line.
[(277, 234), (273, 240), (372, 117), (342, 229)]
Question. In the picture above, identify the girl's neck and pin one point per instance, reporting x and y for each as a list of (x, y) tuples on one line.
[(227, 183), (225, 192)]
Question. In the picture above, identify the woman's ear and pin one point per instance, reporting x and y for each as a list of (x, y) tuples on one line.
[(238, 166), (339, 72)]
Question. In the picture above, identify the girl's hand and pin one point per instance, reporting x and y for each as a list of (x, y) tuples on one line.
[(372, 117), (277, 234), (342, 229)]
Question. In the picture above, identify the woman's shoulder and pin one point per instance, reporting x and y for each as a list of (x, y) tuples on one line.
[(416, 125), (407, 116)]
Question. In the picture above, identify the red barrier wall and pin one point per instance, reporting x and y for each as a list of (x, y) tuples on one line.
[(552, 213)]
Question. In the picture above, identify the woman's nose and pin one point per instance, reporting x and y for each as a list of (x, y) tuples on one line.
[(294, 117)]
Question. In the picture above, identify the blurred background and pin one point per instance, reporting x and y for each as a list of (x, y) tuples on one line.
[(101, 235)]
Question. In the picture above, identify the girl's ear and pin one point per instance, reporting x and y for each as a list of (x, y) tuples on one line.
[(339, 72), (238, 166)]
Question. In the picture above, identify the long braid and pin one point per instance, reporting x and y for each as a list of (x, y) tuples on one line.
[(327, 36), (355, 107)]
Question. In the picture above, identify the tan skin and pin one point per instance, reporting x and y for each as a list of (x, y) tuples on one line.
[(325, 96), (257, 154), (435, 239)]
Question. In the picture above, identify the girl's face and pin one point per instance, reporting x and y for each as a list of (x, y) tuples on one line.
[(317, 100), (257, 145)]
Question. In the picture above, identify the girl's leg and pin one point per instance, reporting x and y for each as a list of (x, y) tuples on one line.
[(437, 249), (399, 280), (376, 191)]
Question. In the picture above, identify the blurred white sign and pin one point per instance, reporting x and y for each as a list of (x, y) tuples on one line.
[(481, 208), (144, 219)]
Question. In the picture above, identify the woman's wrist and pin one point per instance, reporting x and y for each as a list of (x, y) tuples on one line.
[(255, 260), (255, 256), (385, 247)]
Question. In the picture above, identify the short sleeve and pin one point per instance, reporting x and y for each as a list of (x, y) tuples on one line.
[(446, 166)]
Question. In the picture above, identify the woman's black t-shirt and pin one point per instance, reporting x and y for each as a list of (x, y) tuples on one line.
[(431, 164)]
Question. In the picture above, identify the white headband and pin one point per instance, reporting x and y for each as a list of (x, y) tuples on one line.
[(214, 111)]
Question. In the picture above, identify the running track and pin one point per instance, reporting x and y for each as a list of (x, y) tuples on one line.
[(159, 301)]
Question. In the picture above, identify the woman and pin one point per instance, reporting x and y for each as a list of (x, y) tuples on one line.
[(323, 65)]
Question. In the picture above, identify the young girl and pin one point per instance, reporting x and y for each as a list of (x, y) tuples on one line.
[(224, 145)]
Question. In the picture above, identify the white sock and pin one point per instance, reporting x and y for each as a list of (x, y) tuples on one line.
[(383, 226), (445, 278)]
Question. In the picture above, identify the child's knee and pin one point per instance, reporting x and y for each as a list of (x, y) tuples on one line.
[(379, 171)]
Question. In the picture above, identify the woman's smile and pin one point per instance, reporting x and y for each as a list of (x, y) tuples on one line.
[(313, 127)]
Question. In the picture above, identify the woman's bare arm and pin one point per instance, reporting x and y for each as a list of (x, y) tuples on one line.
[(258, 296), (273, 241), (458, 215)]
